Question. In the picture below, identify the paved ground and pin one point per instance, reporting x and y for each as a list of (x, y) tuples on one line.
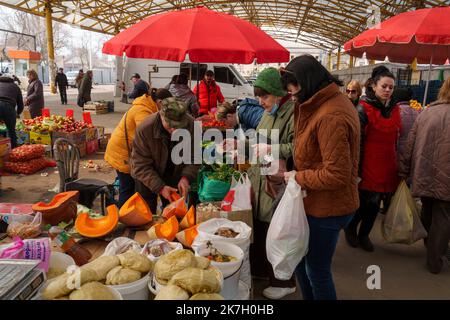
[(403, 271)]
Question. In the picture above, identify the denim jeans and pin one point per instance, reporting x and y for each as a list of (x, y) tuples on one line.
[(314, 271), (126, 187), (8, 115)]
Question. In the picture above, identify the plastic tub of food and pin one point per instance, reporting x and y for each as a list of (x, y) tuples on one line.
[(231, 270), (136, 290)]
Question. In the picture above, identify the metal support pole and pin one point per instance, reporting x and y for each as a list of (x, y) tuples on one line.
[(51, 51), (351, 62), (329, 60), (428, 83), (338, 63)]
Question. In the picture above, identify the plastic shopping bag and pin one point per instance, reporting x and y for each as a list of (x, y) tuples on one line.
[(288, 235), (239, 196), (32, 249), (402, 222)]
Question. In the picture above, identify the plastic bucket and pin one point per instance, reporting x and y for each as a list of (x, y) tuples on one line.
[(59, 260), (231, 270), (137, 290)]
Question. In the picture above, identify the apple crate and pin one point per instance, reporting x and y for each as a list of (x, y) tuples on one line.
[(40, 138), (74, 137), (91, 147)]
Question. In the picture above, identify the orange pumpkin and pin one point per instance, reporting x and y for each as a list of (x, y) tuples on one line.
[(174, 196), (166, 230), (189, 219), (63, 207), (179, 206), (135, 211), (95, 228), (187, 236)]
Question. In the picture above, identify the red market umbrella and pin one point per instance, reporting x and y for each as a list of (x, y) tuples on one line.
[(206, 35), (423, 34)]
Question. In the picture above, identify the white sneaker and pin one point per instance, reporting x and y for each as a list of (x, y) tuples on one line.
[(275, 293)]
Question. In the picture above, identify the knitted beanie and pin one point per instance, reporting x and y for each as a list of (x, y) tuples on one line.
[(269, 80)]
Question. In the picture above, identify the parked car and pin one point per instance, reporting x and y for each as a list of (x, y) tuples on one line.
[(71, 76)]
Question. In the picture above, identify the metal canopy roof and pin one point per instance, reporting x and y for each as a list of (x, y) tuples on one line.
[(324, 24)]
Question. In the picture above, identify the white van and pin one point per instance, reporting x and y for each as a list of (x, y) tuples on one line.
[(159, 73)]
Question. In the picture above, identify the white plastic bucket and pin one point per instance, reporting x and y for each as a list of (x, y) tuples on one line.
[(59, 260), (136, 290), (231, 270)]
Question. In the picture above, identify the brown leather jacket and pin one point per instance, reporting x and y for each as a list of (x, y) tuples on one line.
[(326, 153), (426, 155), (150, 155)]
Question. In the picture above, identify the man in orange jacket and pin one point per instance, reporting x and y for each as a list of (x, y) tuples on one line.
[(208, 93)]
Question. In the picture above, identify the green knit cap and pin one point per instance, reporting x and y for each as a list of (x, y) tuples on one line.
[(269, 80)]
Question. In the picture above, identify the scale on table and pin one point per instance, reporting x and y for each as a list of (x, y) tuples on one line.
[(20, 279)]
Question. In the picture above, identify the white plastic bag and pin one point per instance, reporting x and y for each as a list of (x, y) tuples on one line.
[(288, 235), (206, 231), (121, 245), (238, 197)]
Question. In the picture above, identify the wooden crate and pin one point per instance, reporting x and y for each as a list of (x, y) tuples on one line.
[(96, 108)]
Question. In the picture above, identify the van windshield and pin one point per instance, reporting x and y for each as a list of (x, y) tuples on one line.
[(238, 75)]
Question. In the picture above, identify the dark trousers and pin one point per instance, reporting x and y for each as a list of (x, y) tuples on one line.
[(126, 187), (314, 271), (366, 214), (35, 112), (150, 197), (63, 94), (436, 220), (8, 115), (259, 264)]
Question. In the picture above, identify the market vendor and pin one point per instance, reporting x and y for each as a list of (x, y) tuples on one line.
[(278, 115), (152, 166), (208, 94), (10, 96)]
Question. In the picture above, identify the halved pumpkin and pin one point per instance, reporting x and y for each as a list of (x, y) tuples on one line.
[(135, 211), (63, 207), (189, 219), (187, 236), (166, 230), (179, 206), (174, 196), (95, 228)]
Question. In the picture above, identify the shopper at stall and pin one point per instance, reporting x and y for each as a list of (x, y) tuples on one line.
[(208, 93), (84, 92), (380, 129), (426, 158), (10, 97), (35, 94), (79, 78), (62, 85), (402, 97), (354, 91), (181, 90), (140, 87), (118, 150), (246, 115), (326, 152), (152, 165), (278, 116)]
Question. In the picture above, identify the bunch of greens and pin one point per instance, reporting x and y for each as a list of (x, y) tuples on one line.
[(223, 172)]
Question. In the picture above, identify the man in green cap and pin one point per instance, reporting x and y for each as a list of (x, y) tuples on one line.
[(151, 163)]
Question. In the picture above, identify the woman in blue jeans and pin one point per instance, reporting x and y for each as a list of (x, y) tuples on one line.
[(326, 152)]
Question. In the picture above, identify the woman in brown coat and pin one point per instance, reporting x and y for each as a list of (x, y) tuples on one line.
[(35, 94), (326, 152)]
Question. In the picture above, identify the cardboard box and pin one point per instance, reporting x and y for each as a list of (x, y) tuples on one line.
[(5, 148), (91, 134), (74, 137), (100, 131), (204, 215), (91, 147), (40, 138)]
